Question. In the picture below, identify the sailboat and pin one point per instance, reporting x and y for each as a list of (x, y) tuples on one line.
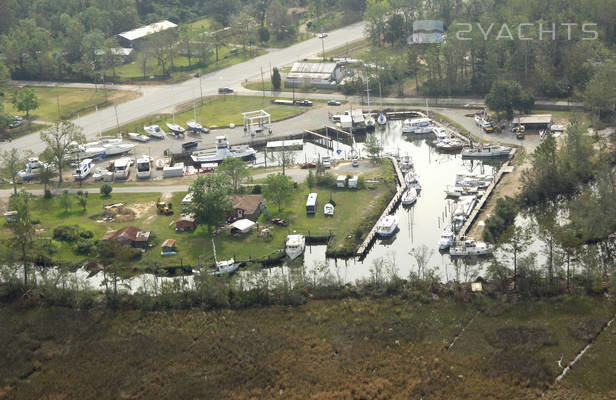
[(382, 119), (223, 267), (175, 128), (194, 126), (369, 119)]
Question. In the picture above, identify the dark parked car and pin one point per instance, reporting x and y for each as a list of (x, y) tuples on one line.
[(304, 103), (333, 103), (189, 146), (224, 90), (309, 165), (279, 222)]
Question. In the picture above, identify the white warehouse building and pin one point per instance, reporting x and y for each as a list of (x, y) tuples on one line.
[(320, 75)]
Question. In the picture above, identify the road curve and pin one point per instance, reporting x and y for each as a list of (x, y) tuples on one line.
[(160, 98)]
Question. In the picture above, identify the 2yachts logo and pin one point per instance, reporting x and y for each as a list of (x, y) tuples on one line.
[(432, 31)]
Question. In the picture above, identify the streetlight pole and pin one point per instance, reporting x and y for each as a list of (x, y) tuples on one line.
[(200, 87)]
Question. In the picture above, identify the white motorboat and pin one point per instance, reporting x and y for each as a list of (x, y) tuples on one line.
[(138, 137), (450, 145), (328, 210), (121, 168), (409, 197), (144, 168), (447, 238), (33, 168), (382, 119), (154, 131), (176, 129), (78, 152), (83, 170), (487, 152), (98, 174), (412, 180), (387, 227), (295, 246), (223, 150), (441, 133), (417, 126), (370, 123), (471, 248), (406, 162)]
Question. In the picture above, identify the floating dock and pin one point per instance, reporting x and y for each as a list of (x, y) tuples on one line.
[(393, 203), (506, 168)]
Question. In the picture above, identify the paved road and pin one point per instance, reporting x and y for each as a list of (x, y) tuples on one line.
[(160, 98)]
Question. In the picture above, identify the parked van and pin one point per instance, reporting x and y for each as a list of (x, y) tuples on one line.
[(311, 204)]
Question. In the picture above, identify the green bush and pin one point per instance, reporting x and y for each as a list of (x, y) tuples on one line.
[(106, 190), (66, 233), (326, 180), (48, 194), (86, 234), (256, 189), (85, 247)]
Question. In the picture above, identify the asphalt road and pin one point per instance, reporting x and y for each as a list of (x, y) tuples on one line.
[(160, 98)]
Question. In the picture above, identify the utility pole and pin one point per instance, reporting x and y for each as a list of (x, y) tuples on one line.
[(58, 102), (200, 87), (115, 108)]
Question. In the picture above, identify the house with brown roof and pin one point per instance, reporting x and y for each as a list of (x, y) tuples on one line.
[(186, 223), (130, 235), (247, 206), (168, 248)]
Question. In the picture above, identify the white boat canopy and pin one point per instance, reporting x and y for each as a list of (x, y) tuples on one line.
[(243, 225)]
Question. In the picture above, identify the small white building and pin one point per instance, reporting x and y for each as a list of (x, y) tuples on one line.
[(131, 38), (353, 182), (341, 181)]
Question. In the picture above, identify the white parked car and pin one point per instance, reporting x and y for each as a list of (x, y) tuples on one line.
[(322, 35)]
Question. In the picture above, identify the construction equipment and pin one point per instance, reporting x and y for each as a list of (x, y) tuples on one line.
[(164, 208)]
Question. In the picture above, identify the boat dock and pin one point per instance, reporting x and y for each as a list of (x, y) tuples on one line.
[(505, 169), (393, 203)]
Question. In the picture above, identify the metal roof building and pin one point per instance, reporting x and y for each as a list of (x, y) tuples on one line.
[(129, 38), (535, 121), (314, 74)]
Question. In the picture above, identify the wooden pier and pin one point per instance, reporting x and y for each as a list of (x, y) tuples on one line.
[(393, 203), (506, 168)]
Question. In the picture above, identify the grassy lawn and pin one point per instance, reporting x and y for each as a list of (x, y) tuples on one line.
[(218, 111), (204, 23), (258, 86), (72, 101), (23, 130), (133, 71)]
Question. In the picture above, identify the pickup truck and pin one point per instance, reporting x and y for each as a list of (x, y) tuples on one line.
[(304, 103)]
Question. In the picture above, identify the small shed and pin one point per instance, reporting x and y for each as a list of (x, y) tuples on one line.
[(242, 226), (353, 182), (11, 217), (534, 122), (186, 223), (341, 181), (168, 248)]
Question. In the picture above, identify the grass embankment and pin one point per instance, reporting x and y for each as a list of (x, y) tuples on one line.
[(72, 101), (352, 348), (354, 209), (25, 129), (219, 111)]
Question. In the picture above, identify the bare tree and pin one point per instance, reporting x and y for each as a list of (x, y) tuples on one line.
[(59, 139)]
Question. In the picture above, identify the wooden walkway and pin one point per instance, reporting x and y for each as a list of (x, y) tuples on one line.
[(505, 169), (393, 203), (321, 139)]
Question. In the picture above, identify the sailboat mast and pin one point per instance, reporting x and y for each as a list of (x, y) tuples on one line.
[(214, 248)]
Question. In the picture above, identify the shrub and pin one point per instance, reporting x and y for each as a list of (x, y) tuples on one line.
[(66, 233), (361, 182), (106, 190), (35, 221), (326, 180), (47, 194), (85, 246), (86, 234), (256, 189)]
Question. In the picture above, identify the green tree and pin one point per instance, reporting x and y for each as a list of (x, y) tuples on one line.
[(376, 16), (235, 170), (82, 198), (25, 100), (373, 146), (47, 173), (59, 139), (210, 202), (311, 180), (276, 80), (506, 96), (514, 241), (106, 189), (599, 95), (22, 229), (12, 161), (278, 189), (264, 35)]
